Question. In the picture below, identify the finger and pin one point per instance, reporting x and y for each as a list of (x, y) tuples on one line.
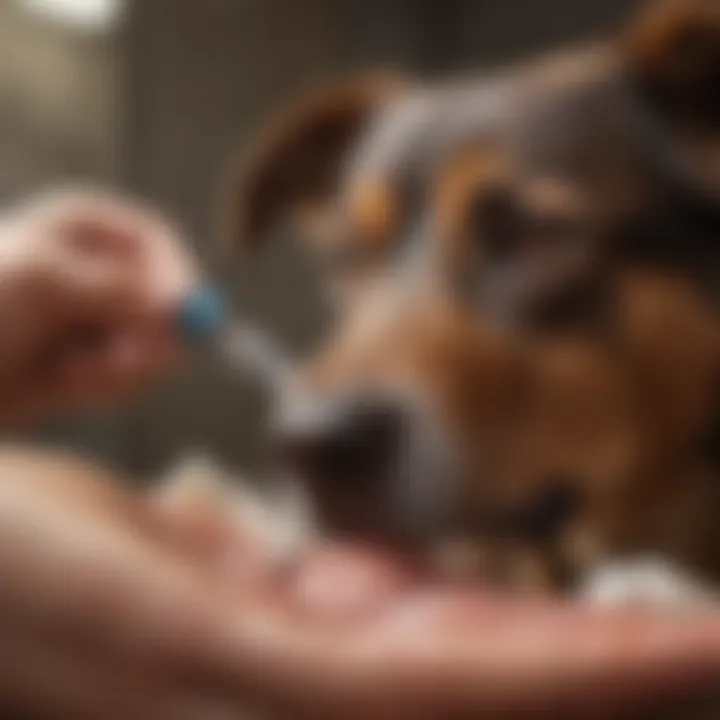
[(149, 288), (94, 288), (108, 584), (104, 230), (105, 369), (158, 343), (48, 676), (91, 583), (554, 658), (119, 369), (99, 258), (39, 680), (81, 378), (167, 271), (227, 529), (92, 371), (93, 220), (93, 225), (440, 654)]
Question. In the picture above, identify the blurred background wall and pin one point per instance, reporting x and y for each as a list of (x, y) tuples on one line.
[(155, 95)]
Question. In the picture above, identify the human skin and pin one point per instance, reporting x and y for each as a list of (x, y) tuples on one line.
[(113, 605), (88, 285)]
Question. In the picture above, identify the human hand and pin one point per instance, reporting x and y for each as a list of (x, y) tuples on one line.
[(114, 606), (360, 633), (107, 609), (88, 284)]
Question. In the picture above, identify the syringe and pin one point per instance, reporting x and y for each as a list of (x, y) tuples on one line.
[(203, 322)]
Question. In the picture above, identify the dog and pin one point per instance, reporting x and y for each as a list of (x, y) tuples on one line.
[(524, 268)]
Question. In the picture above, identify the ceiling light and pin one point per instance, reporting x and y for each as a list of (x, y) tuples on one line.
[(85, 15)]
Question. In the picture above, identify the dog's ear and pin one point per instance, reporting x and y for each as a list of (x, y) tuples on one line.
[(295, 162), (673, 53)]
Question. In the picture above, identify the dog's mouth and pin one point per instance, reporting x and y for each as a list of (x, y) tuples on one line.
[(539, 518), (430, 532), (396, 488), (383, 469), (490, 549)]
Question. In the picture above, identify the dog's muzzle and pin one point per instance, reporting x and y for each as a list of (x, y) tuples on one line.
[(372, 465)]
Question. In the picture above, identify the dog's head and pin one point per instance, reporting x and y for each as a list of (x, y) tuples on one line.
[(523, 267)]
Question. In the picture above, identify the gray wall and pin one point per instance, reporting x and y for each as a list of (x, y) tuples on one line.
[(199, 75), (59, 121)]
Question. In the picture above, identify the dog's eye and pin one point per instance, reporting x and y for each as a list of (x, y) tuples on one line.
[(555, 230), (507, 229)]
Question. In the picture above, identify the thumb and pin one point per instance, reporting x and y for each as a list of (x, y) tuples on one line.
[(95, 287)]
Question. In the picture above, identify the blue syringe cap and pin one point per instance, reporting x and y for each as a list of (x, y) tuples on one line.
[(202, 315)]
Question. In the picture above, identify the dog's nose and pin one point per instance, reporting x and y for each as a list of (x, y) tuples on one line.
[(351, 440)]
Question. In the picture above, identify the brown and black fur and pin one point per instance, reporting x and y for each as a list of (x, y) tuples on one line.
[(589, 386)]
